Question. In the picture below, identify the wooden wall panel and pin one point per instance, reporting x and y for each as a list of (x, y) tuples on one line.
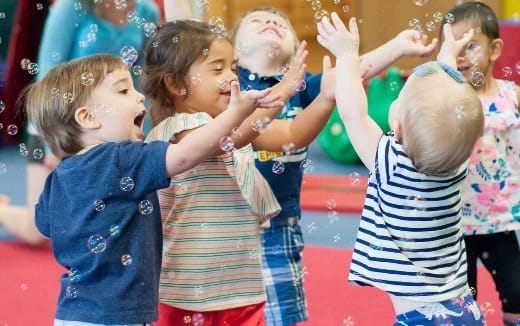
[(379, 20), (300, 12), (382, 20)]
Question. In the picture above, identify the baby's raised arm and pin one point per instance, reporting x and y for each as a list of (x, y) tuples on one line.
[(407, 43), (307, 124), (351, 99)]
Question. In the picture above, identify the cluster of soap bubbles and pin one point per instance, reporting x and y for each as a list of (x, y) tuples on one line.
[(129, 55), (508, 71), (416, 24), (90, 37), (31, 67)]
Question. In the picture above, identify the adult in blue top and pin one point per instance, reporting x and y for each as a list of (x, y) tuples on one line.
[(76, 29)]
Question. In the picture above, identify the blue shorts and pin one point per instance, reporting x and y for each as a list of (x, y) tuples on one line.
[(282, 247), (458, 312)]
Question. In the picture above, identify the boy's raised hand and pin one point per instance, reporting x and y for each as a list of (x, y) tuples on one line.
[(334, 36), (450, 48), (414, 43), (248, 101), (296, 72)]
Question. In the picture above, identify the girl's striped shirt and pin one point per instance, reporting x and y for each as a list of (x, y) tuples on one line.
[(211, 216)]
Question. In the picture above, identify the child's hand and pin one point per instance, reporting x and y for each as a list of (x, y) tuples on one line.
[(450, 48), (248, 101), (414, 43), (336, 38), (328, 80), (294, 76)]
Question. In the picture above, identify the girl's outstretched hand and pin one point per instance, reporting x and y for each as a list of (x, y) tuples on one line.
[(334, 36), (414, 43), (295, 72), (248, 101), (450, 48)]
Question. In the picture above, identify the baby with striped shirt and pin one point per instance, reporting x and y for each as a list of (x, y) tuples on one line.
[(409, 242)]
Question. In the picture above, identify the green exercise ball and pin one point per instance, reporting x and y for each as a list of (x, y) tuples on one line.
[(381, 92)]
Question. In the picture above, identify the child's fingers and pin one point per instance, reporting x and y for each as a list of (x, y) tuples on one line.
[(269, 105), (301, 58), (327, 26), (365, 69), (430, 47), (321, 30), (466, 37), (235, 88), (353, 27), (338, 23), (327, 66), (256, 94), (301, 49), (269, 101), (424, 39), (322, 41), (447, 32)]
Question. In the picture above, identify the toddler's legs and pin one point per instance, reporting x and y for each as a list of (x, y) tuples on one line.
[(282, 247), (500, 255)]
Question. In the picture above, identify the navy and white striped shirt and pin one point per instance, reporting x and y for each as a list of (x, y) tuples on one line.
[(409, 243)]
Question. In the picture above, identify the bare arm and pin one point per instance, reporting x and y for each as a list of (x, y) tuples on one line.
[(177, 9), (203, 142), (351, 99), (406, 43), (307, 125), (245, 133)]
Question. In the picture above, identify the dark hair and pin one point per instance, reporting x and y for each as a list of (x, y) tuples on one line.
[(476, 13), (171, 52)]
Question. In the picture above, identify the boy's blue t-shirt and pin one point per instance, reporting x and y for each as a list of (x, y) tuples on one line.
[(286, 185), (101, 212)]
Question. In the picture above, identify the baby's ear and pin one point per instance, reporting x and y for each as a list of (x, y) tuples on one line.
[(497, 45), (396, 127), (86, 118)]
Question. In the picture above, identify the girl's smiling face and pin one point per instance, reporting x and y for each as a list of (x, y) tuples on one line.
[(479, 54), (208, 80)]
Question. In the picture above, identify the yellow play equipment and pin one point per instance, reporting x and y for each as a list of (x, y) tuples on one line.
[(511, 10)]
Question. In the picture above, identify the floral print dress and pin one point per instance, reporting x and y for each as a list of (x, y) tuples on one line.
[(491, 194)]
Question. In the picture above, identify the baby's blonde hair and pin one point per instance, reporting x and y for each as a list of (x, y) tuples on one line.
[(52, 101), (441, 119)]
